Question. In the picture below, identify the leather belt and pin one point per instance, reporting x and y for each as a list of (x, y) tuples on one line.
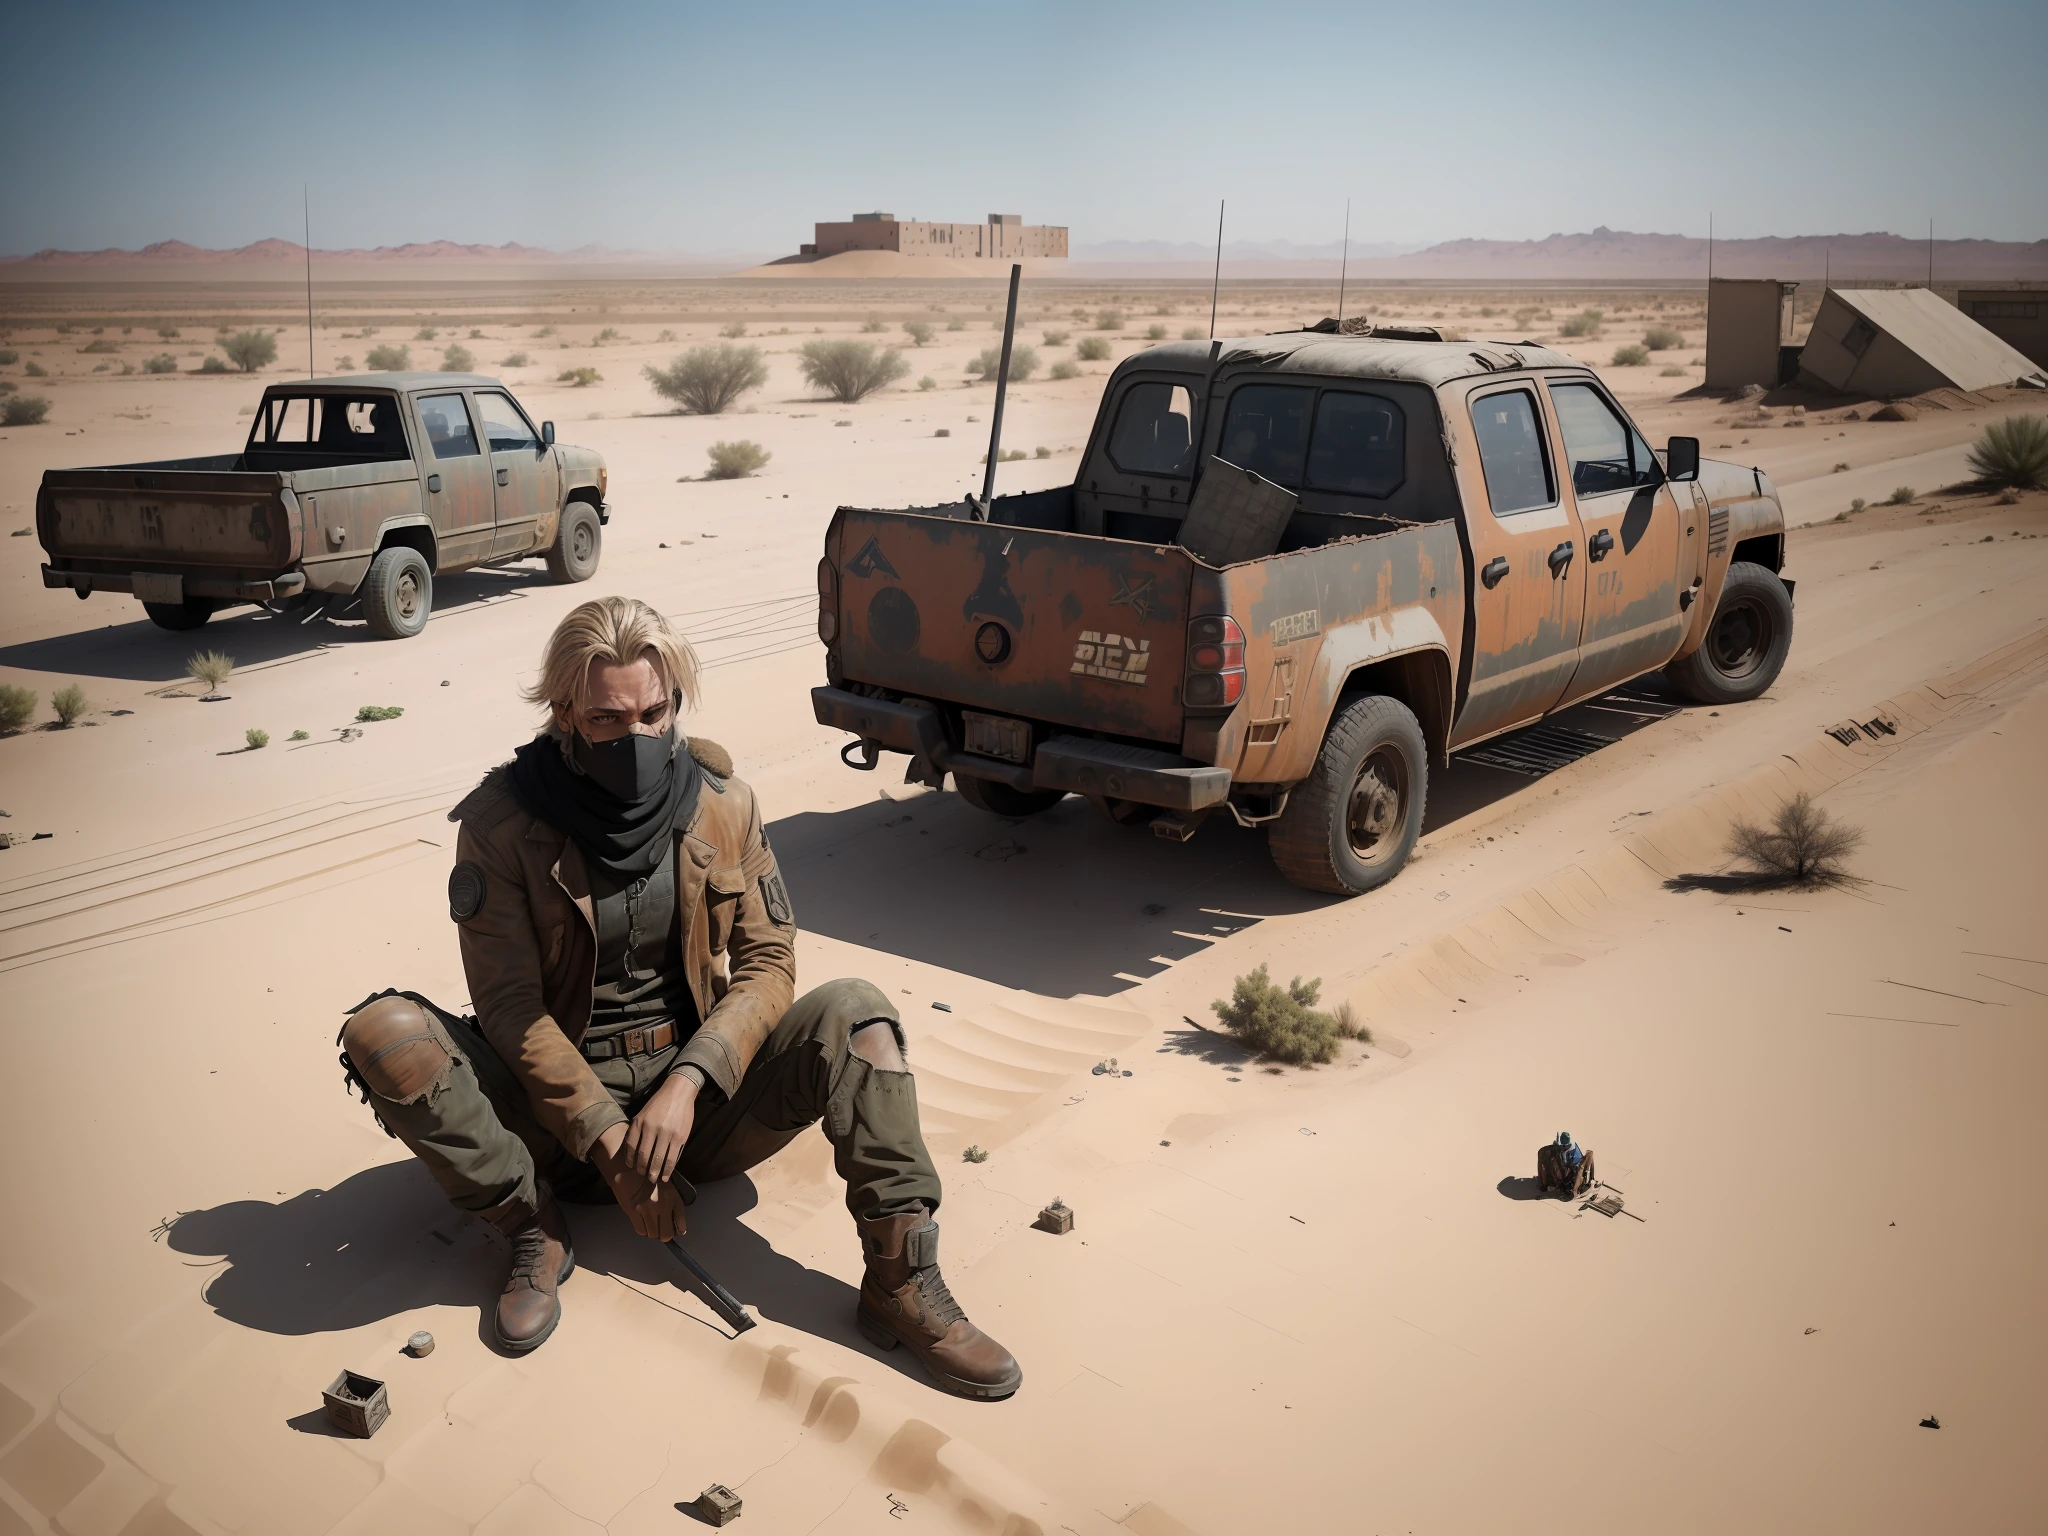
[(631, 1042)]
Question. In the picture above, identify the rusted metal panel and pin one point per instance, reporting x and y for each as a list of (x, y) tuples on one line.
[(1740, 503), (106, 515)]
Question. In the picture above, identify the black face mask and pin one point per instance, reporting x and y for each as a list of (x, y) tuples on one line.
[(630, 767)]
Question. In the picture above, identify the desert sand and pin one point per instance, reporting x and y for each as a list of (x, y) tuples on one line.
[(1294, 1300)]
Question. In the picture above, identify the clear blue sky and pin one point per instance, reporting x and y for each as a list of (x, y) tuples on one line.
[(693, 127)]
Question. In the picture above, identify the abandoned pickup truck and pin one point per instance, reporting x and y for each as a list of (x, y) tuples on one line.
[(1294, 573), (366, 486)]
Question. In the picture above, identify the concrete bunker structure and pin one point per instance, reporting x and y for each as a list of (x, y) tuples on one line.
[(1893, 342), (1003, 237), (1749, 332)]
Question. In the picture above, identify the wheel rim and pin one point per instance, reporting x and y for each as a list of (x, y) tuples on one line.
[(1741, 638), (582, 539), (406, 596), (1377, 812)]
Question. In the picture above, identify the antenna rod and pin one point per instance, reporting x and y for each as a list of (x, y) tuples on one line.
[(306, 207), (1216, 282), (1710, 246), (1344, 266), (1930, 253), (995, 431)]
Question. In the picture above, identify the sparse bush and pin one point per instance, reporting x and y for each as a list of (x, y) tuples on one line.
[(1007, 456), (1631, 356), (1349, 1026), (101, 344), (1661, 338), (475, 335), (874, 325), (388, 359), (1802, 846), (1155, 332), (2013, 454), (850, 370), (606, 336), (17, 708), (943, 432), (1901, 496), (163, 362), (1092, 349), (256, 737), (920, 332), (706, 380), (1193, 333), (515, 360), (1058, 338), (1586, 322), (213, 668), (298, 736), (579, 378), (1109, 320), (167, 333), (1041, 452), (425, 333), (956, 323), (1671, 373), (250, 350), (927, 382), (24, 411), (457, 359), (665, 335), (1841, 465), (540, 335), (36, 370), (973, 1155), (736, 461), (371, 713), (70, 703), (1280, 1023), (1066, 368), (9, 357), (1023, 363), (344, 364), (733, 330)]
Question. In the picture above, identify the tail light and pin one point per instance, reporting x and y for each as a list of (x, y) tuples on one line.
[(1215, 671), (828, 601)]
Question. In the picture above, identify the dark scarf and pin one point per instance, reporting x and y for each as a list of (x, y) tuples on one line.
[(627, 838)]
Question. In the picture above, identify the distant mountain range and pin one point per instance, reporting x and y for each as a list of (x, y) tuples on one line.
[(1600, 254)]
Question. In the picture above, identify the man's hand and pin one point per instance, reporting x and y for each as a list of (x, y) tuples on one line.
[(654, 1208), (655, 1141)]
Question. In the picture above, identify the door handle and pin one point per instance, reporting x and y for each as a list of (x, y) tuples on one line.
[(434, 483), (505, 478), (1597, 546), (1560, 557), (1493, 573)]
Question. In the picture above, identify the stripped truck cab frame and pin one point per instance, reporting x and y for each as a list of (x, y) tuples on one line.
[(1468, 536)]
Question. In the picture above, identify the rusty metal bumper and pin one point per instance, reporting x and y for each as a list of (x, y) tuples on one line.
[(1077, 764), (169, 582)]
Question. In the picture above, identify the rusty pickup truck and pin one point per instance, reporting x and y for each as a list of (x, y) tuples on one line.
[(1293, 574), (363, 487)]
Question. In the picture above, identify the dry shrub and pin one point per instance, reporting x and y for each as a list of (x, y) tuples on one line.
[(24, 411), (1193, 333), (919, 332), (874, 325), (1109, 320), (1092, 349), (1802, 846), (17, 708), (1281, 1023), (163, 362), (1057, 338), (1349, 1025), (250, 350), (211, 668), (1662, 338), (706, 380), (2012, 453), (457, 358), (257, 737), (733, 330), (1066, 368), (1155, 332), (425, 333), (579, 378), (850, 370), (736, 461), (1902, 496), (1023, 363), (1630, 357), (70, 703), (1586, 322), (388, 359), (514, 360)]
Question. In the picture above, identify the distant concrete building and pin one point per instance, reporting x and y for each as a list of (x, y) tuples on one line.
[(1889, 342), (1005, 237), (1749, 319), (2016, 316)]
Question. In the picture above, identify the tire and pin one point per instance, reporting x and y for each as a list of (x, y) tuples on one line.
[(1746, 643), (398, 594), (579, 541), (1001, 800), (1351, 824), (178, 617)]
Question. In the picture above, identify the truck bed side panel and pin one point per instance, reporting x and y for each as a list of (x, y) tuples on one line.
[(217, 519), (1097, 628)]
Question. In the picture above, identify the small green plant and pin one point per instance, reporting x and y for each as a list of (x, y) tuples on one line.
[(17, 708), (1349, 1025), (163, 362), (1023, 363), (213, 668), (1586, 322), (36, 370), (101, 344), (1671, 373), (927, 382), (425, 333), (955, 323), (24, 411), (257, 738), (1631, 356), (70, 703), (737, 460), (299, 736), (2012, 454), (1041, 452), (579, 378), (1109, 320), (1066, 368), (706, 380), (920, 332), (250, 350), (850, 370), (457, 358), (388, 359), (167, 333), (874, 325), (1901, 496), (1155, 332), (1661, 338), (540, 335), (1802, 846), (973, 1155), (733, 330), (514, 360), (9, 357), (1279, 1023), (1092, 349), (371, 713), (1007, 456), (1058, 338), (605, 337), (1192, 333)]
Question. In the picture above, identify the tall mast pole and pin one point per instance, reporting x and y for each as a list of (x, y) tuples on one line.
[(1216, 283), (1344, 265)]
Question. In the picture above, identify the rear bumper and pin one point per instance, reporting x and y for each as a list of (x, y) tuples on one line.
[(1076, 764), (170, 582)]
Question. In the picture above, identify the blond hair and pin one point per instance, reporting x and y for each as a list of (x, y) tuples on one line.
[(616, 631)]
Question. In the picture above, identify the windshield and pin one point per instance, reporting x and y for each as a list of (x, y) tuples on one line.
[(359, 426)]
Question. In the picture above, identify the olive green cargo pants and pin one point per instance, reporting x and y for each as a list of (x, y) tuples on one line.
[(480, 1141)]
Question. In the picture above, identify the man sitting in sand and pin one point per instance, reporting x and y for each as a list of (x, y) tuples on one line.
[(629, 945)]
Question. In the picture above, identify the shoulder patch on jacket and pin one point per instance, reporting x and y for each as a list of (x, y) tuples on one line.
[(492, 794), (466, 890), (775, 896), (711, 757)]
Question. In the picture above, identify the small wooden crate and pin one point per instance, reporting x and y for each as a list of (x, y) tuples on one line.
[(718, 1505), (356, 1404), (1057, 1218)]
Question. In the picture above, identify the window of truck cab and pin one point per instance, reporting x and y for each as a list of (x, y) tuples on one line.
[(362, 426), (1514, 450), (1153, 433), (1337, 439)]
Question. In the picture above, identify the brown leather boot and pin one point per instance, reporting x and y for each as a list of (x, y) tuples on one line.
[(904, 1300), (542, 1259)]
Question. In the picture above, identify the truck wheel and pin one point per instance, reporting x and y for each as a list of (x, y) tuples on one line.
[(1001, 800), (578, 542), (1746, 643), (398, 594), (1351, 824), (190, 614)]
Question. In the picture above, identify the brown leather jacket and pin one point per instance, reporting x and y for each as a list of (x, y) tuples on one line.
[(530, 946)]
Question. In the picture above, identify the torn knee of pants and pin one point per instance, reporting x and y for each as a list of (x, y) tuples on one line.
[(397, 1050), (895, 1028)]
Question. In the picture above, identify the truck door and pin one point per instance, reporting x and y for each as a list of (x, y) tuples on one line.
[(1634, 532), (1527, 594), (527, 484), (458, 479)]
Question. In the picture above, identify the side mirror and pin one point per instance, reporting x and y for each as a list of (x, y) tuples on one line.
[(1682, 459), (547, 440)]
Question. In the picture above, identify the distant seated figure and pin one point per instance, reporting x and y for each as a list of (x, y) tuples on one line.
[(1564, 1166)]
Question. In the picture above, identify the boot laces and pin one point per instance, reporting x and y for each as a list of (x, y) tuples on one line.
[(529, 1253), (936, 1299)]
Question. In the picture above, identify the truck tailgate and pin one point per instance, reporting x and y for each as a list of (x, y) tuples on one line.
[(234, 519), (1091, 632)]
